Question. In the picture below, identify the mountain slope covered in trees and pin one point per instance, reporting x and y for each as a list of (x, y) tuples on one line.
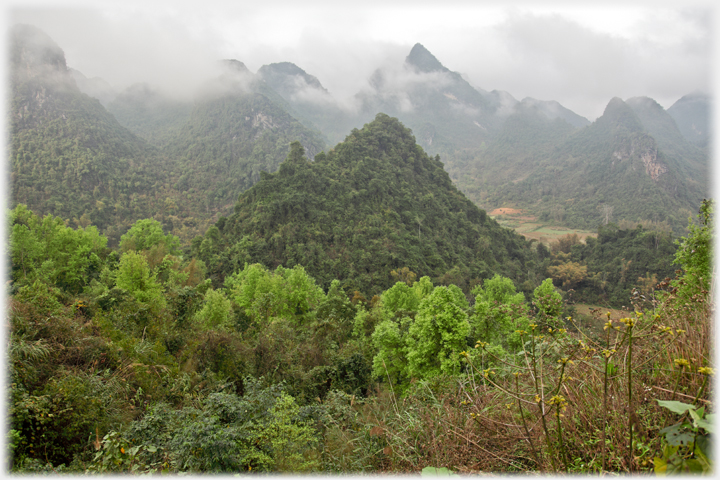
[(183, 163), (611, 170), (376, 202), (237, 129), (69, 156)]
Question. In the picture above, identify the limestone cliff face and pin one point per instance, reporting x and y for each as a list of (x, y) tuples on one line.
[(263, 121), (646, 150), (39, 77), (653, 167)]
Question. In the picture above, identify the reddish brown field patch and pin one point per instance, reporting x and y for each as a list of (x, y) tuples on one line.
[(505, 211)]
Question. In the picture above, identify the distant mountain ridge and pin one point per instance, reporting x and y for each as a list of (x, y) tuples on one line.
[(498, 150), (613, 165), (183, 163)]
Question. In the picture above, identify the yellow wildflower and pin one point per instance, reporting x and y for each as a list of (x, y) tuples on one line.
[(681, 362)]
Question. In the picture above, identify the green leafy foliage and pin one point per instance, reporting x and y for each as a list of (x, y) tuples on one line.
[(549, 303), (134, 276), (438, 334), (687, 445), (260, 431), (400, 299), (389, 341), (150, 370), (216, 311), (146, 234), (498, 312), (286, 292), (694, 254), (48, 251), (618, 260), (374, 203)]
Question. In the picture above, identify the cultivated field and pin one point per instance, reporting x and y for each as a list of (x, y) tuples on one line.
[(528, 226)]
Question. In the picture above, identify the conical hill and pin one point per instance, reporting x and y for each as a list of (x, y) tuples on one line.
[(374, 203)]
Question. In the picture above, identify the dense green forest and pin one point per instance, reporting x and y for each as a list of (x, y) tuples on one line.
[(204, 286), (376, 202), (130, 360), (180, 162)]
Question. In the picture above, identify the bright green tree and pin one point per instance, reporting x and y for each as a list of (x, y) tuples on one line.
[(216, 311), (285, 293), (146, 234), (499, 311), (134, 275), (161, 251), (438, 335), (423, 287), (390, 362), (694, 254), (549, 303), (401, 299), (47, 250)]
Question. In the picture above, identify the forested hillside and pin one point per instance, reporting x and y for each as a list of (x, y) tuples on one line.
[(205, 286), (128, 360), (233, 133), (374, 203), (149, 114), (587, 177), (183, 163), (69, 157)]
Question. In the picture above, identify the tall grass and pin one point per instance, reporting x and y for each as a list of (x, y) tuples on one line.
[(568, 402)]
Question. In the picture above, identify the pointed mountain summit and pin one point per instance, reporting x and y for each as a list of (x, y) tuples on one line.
[(376, 202), (657, 122), (692, 116), (33, 53), (235, 66), (311, 103), (422, 60), (501, 102), (441, 107), (619, 115)]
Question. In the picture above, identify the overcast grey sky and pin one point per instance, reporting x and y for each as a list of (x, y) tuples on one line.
[(580, 53)]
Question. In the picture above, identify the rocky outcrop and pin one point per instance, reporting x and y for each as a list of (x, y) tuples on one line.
[(646, 149), (653, 167)]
